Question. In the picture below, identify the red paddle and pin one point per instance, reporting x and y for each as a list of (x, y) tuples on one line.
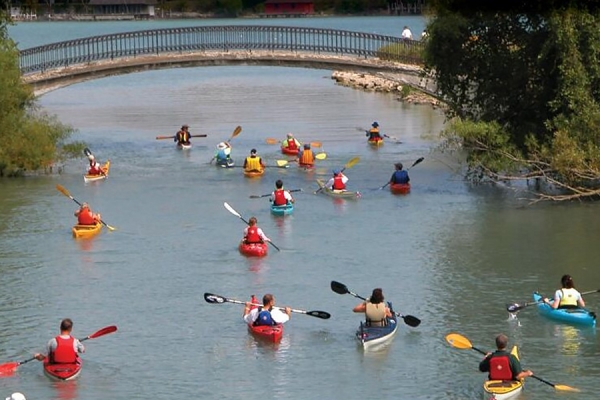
[(9, 368)]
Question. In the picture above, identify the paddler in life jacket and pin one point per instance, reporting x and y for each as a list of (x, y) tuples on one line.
[(253, 234), (95, 168), (399, 176), (183, 136), (85, 216), (281, 197), (253, 162), (291, 143), (567, 296), (375, 310), (63, 349), (338, 181), (501, 365), (373, 133), (223, 154), (266, 315), (306, 157)]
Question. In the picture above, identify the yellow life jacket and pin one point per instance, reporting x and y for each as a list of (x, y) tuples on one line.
[(568, 298), (375, 314), (253, 164)]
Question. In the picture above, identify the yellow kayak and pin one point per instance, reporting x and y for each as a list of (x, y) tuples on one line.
[(254, 173), (86, 231), (502, 390), (91, 178)]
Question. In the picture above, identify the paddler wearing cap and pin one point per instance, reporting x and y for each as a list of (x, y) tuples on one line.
[(223, 153), (183, 136), (399, 175), (95, 168), (85, 216), (338, 180)]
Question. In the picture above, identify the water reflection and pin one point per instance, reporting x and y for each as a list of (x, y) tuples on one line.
[(65, 390)]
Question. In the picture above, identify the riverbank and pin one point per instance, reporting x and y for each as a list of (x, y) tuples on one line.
[(385, 83)]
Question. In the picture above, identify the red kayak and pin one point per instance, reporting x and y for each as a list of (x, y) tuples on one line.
[(271, 333), (288, 151), (253, 249), (400, 188), (62, 372)]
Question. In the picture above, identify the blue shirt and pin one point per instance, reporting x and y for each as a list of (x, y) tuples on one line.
[(400, 177)]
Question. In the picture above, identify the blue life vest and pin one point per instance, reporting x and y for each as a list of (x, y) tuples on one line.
[(221, 156), (400, 177), (264, 317)]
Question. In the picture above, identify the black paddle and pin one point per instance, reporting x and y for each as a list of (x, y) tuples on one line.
[(255, 196), (340, 288), (358, 128), (237, 214), (216, 299), (418, 161), (511, 308)]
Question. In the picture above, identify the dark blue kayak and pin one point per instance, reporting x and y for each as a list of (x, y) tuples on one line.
[(374, 336)]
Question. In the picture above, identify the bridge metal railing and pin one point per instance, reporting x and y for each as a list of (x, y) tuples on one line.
[(219, 38)]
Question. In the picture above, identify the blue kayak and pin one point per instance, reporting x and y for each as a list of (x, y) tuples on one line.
[(374, 336), (579, 316), (282, 210), (225, 163)]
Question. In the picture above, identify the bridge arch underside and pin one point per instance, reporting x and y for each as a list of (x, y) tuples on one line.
[(60, 77)]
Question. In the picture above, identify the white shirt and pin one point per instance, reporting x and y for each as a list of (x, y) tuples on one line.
[(286, 194), (406, 34), (277, 315)]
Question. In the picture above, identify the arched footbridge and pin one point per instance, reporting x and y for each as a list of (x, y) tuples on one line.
[(60, 64)]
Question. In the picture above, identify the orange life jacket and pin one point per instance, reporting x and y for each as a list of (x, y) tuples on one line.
[(307, 157), (86, 217)]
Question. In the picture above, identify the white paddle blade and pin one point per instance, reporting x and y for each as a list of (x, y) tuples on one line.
[(231, 210)]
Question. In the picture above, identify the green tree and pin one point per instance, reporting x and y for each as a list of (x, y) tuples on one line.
[(524, 88), (29, 139)]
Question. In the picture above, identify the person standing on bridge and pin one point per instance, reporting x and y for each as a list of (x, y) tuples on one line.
[(406, 33)]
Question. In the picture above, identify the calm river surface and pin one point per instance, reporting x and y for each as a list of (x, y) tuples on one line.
[(449, 253)]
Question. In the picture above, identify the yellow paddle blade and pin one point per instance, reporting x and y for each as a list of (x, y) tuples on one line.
[(281, 163), (63, 190), (458, 341), (566, 388), (321, 156), (271, 141), (352, 162), (315, 144)]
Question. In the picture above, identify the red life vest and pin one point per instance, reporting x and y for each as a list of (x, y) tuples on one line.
[(338, 183), (252, 236), (86, 217), (94, 168), (291, 144), (280, 199), (500, 368), (64, 352)]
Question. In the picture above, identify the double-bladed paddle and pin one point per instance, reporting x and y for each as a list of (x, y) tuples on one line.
[(358, 128), (216, 299), (9, 368), (88, 153), (237, 214), (254, 196), (236, 131), (340, 288), (173, 136), (461, 342), (275, 141), (66, 193), (418, 161), (518, 307), (352, 162)]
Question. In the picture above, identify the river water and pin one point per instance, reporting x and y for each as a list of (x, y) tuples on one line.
[(448, 253)]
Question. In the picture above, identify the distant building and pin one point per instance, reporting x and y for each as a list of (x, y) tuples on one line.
[(289, 7), (138, 8)]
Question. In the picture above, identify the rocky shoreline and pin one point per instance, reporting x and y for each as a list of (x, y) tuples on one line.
[(377, 83)]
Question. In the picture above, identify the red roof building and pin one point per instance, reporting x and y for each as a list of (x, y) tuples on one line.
[(289, 7)]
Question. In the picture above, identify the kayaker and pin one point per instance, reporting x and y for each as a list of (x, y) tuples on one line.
[(399, 176), (63, 349), (16, 396), (223, 154), (183, 136), (567, 296), (266, 315), (281, 197), (501, 364), (85, 216), (306, 157), (253, 234), (373, 133), (375, 309), (338, 181), (253, 162), (291, 143), (95, 168)]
